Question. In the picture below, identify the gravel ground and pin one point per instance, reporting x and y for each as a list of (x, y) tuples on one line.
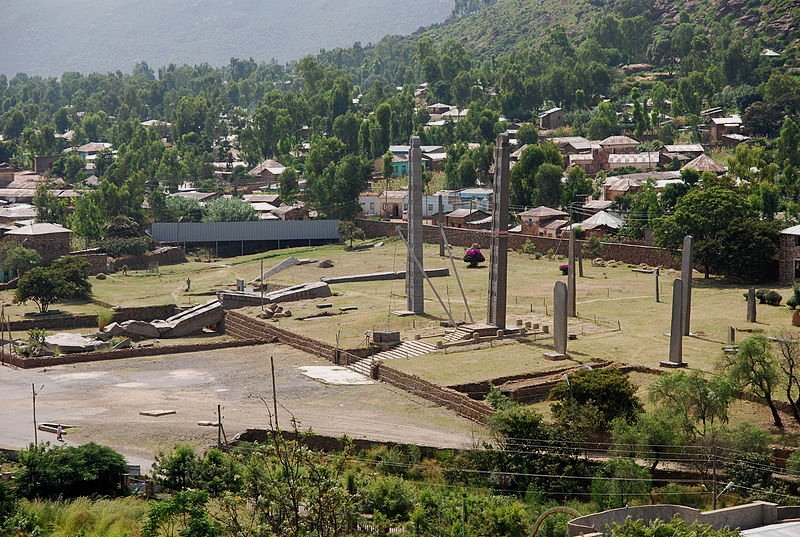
[(103, 399)]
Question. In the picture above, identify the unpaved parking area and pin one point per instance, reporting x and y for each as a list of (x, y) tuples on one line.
[(104, 400)]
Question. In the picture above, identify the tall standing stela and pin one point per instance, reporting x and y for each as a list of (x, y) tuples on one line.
[(687, 257), (498, 272), (415, 294)]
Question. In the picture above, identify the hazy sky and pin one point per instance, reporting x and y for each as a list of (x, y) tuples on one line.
[(50, 37)]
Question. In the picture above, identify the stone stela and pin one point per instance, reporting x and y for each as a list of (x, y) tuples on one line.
[(675, 332), (571, 293), (559, 323), (751, 305), (687, 257), (415, 292), (498, 269)]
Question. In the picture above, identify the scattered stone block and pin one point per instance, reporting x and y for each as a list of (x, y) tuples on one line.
[(113, 329), (324, 305), (348, 308), (157, 413), (140, 329), (325, 264), (101, 276)]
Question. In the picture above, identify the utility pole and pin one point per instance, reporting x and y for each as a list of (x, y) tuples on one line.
[(261, 279), (35, 425), (714, 477), (219, 427), (274, 392)]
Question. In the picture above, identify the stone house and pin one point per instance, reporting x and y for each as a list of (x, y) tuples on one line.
[(291, 212), (789, 255), (645, 162), (51, 241), (267, 171), (719, 127), (533, 221), (461, 217), (552, 118)]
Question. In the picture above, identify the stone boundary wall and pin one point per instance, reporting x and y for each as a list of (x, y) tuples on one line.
[(460, 403), (239, 325), (97, 262), (66, 322), (627, 253), (166, 255), (242, 326), (751, 515), (97, 356)]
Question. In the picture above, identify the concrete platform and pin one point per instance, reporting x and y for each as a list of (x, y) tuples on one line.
[(379, 276)]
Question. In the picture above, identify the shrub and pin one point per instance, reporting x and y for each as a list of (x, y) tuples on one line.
[(794, 300), (551, 253), (676, 494), (528, 247), (390, 496), (69, 472), (117, 247), (772, 298)]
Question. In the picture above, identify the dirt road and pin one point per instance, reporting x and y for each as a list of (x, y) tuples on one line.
[(104, 400)]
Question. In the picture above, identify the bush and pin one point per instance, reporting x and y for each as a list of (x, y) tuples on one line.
[(390, 496), (117, 247), (772, 298), (676, 494), (528, 247), (794, 300), (610, 391), (70, 472)]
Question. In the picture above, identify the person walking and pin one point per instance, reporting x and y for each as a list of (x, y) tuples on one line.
[(60, 433)]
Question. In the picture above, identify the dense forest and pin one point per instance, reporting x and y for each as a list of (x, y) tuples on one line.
[(326, 117)]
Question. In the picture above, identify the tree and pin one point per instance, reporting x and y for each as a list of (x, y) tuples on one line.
[(76, 272), (18, 259), (335, 192), (349, 231), (180, 209), (755, 370), (618, 481), (650, 437), (789, 361), (610, 391), (388, 168), (70, 167), (186, 510), (229, 210), (87, 219), (548, 185), (592, 248), (69, 472), (576, 186), (43, 287), (176, 471), (701, 404), (729, 238), (288, 185), (523, 175), (49, 208)]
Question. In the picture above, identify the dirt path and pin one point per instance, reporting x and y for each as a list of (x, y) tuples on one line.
[(104, 400)]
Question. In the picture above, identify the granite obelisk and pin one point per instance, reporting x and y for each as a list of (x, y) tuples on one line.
[(498, 264), (415, 293)]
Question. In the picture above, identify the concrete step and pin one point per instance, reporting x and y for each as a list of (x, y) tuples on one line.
[(406, 349)]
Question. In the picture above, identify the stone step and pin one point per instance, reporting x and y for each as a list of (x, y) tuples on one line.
[(406, 349)]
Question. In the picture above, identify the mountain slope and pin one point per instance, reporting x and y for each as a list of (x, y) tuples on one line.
[(53, 36)]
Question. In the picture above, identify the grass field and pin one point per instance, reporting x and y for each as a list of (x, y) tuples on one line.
[(619, 318)]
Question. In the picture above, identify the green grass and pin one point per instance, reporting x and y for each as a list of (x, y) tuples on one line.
[(89, 518)]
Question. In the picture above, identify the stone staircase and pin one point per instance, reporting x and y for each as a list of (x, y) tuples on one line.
[(459, 334), (406, 349)]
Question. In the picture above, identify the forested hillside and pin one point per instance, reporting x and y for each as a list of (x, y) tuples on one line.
[(51, 37)]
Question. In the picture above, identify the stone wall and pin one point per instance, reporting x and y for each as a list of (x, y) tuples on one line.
[(240, 325), (79, 357), (50, 246), (166, 255), (98, 262), (66, 322), (458, 402), (627, 253), (789, 252)]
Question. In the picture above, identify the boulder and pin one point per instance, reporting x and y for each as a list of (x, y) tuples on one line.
[(140, 329), (164, 328), (325, 264), (101, 276)]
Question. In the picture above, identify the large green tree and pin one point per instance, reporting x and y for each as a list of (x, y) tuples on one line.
[(729, 237)]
